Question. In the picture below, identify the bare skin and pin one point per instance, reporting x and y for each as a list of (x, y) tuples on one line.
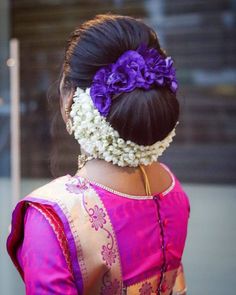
[(127, 180), (122, 179)]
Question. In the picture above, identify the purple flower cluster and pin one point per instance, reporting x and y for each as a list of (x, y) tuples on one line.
[(142, 68)]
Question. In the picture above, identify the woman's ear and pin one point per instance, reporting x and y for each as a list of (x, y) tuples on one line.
[(66, 99), (65, 103)]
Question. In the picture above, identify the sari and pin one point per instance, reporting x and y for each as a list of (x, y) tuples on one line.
[(94, 240)]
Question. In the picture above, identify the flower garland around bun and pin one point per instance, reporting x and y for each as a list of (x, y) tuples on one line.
[(99, 139)]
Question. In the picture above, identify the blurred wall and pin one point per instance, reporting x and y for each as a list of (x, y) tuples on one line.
[(4, 89)]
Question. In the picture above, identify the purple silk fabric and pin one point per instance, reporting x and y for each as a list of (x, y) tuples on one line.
[(135, 224)]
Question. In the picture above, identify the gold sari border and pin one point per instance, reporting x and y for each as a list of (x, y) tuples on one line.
[(92, 231), (150, 285)]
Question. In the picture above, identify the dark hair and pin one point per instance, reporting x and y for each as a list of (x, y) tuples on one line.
[(141, 116)]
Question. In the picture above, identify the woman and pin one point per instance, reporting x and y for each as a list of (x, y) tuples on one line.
[(119, 225)]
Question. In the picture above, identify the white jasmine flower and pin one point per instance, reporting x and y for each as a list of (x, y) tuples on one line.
[(97, 137)]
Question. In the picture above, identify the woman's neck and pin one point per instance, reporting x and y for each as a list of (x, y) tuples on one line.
[(129, 180), (100, 167)]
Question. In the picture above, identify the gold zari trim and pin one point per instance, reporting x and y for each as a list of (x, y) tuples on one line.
[(150, 286)]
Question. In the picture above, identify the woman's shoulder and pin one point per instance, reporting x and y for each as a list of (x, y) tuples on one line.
[(50, 189), (176, 187), (53, 203), (60, 190), (59, 196), (35, 229)]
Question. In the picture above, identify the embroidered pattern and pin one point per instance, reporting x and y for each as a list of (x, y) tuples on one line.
[(97, 217), (76, 185), (82, 264), (110, 288), (146, 289), (99, 221), (108, 254)]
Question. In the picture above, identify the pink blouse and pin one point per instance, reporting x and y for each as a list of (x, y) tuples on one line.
[(136, 221), (41, 258)]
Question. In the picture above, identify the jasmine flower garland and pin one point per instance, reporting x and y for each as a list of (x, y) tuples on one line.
[(99, 139)]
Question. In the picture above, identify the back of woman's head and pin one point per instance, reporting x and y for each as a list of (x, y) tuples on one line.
[(142, 116)]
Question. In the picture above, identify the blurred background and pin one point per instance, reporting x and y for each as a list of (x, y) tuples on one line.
[(201, 36)]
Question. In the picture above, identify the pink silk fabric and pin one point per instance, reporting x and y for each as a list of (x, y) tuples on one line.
[(135, 223), (40, 257)]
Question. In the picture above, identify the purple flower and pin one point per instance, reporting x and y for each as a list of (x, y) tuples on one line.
[(128, 69), (143, 68), (99, 92)]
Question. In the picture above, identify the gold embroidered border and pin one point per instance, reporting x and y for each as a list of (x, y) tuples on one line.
[(100, 250), (150, 285), (96, 245)]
